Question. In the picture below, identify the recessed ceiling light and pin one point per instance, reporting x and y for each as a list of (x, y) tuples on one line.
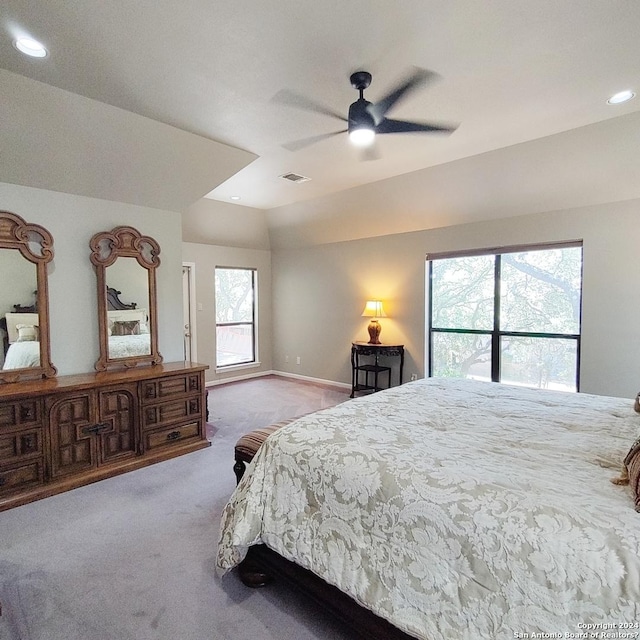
[(30, 47), (235, 197), (620, 97)]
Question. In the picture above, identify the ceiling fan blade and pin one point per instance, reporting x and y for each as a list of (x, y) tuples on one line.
[(296, 145), (297, 101), (404, 126), (417, 78)]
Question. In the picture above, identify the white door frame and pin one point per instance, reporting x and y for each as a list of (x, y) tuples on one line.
[(189, 307)]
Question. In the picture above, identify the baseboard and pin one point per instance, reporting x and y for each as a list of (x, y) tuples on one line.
[(327, 383), (283, 374), (245, 376)]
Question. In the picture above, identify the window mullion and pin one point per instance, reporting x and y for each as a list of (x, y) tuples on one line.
[(430, 316), (253, 316), (495, 336)]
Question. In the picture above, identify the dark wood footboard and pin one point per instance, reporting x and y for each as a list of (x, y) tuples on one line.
[(262, 565)]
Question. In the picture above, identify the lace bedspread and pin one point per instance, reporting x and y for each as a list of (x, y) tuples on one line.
[(128, 346), (22, 355), (454, 509)]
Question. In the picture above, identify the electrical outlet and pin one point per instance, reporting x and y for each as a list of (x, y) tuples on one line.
[(286, 358), (414, 376), (297, 359)]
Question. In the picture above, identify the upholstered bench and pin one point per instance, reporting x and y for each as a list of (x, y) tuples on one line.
[(248, 445)]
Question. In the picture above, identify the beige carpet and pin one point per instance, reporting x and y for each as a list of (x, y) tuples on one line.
[(132, 557), (246, 405)]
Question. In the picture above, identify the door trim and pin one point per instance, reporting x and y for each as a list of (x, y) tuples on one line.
[(190, 311)]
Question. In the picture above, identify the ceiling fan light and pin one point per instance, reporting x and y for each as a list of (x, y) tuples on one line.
[(362, 137)]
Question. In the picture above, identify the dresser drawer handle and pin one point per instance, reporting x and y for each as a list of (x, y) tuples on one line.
[(28, 443), (174, 435), (26, 413), (96, 428)]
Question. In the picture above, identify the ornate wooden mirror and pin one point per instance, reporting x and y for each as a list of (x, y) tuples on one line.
[(126, 263), (25, 251)]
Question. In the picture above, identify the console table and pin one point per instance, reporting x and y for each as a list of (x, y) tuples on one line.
[(371, 369)]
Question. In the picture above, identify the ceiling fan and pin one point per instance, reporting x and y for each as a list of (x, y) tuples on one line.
[(366, 119)]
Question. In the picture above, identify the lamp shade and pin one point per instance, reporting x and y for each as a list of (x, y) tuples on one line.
[(374, 309)]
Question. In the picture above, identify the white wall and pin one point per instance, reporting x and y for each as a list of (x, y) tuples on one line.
[(206, 258), (224, 224), (72, 221), (320, 292)]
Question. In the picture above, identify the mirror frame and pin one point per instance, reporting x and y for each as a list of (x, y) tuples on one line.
[(124, 242), (15, 234)]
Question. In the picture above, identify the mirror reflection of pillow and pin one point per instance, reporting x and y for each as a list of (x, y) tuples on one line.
[(27, 332), (125, 328)]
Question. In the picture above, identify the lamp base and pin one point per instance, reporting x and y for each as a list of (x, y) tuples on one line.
[(374, 329)]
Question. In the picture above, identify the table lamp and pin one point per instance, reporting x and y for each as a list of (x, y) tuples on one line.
[(373, 309)]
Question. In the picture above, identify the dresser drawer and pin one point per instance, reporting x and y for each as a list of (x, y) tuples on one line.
[(21, 413), (171, 435), (166, 388), (20, 444), (21, 476), (168, 412)]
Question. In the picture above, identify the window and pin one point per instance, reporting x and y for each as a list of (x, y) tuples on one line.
[(509, 316), (235, 316)]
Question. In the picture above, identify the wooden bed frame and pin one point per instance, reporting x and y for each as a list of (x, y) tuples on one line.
[(114, 303), (262, 565)]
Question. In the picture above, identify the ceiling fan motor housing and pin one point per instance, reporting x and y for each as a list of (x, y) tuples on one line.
[(360, 80), (359, 116)]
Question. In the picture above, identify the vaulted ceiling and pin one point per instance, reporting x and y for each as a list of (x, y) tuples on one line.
[(511, 71)]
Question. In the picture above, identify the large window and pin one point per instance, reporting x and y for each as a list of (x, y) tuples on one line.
[(510, 316), (235, 316)]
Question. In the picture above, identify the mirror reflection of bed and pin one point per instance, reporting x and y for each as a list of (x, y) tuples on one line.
[(19, 283), (128, 327), (21, 341)]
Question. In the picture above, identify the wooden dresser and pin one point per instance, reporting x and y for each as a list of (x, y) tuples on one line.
[(61, 433)]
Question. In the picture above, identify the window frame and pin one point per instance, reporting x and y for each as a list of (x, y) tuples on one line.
[(252, 323), (496, 333)]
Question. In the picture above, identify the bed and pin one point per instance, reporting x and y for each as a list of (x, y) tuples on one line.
[(22, 341), (128, 327), (128, 333), (453, 508)]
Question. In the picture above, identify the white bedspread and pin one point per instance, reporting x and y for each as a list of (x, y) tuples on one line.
[(455, 509), (128, 346), (22, 355)]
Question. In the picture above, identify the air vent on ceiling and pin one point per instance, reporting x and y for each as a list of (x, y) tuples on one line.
[(294, 177)]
